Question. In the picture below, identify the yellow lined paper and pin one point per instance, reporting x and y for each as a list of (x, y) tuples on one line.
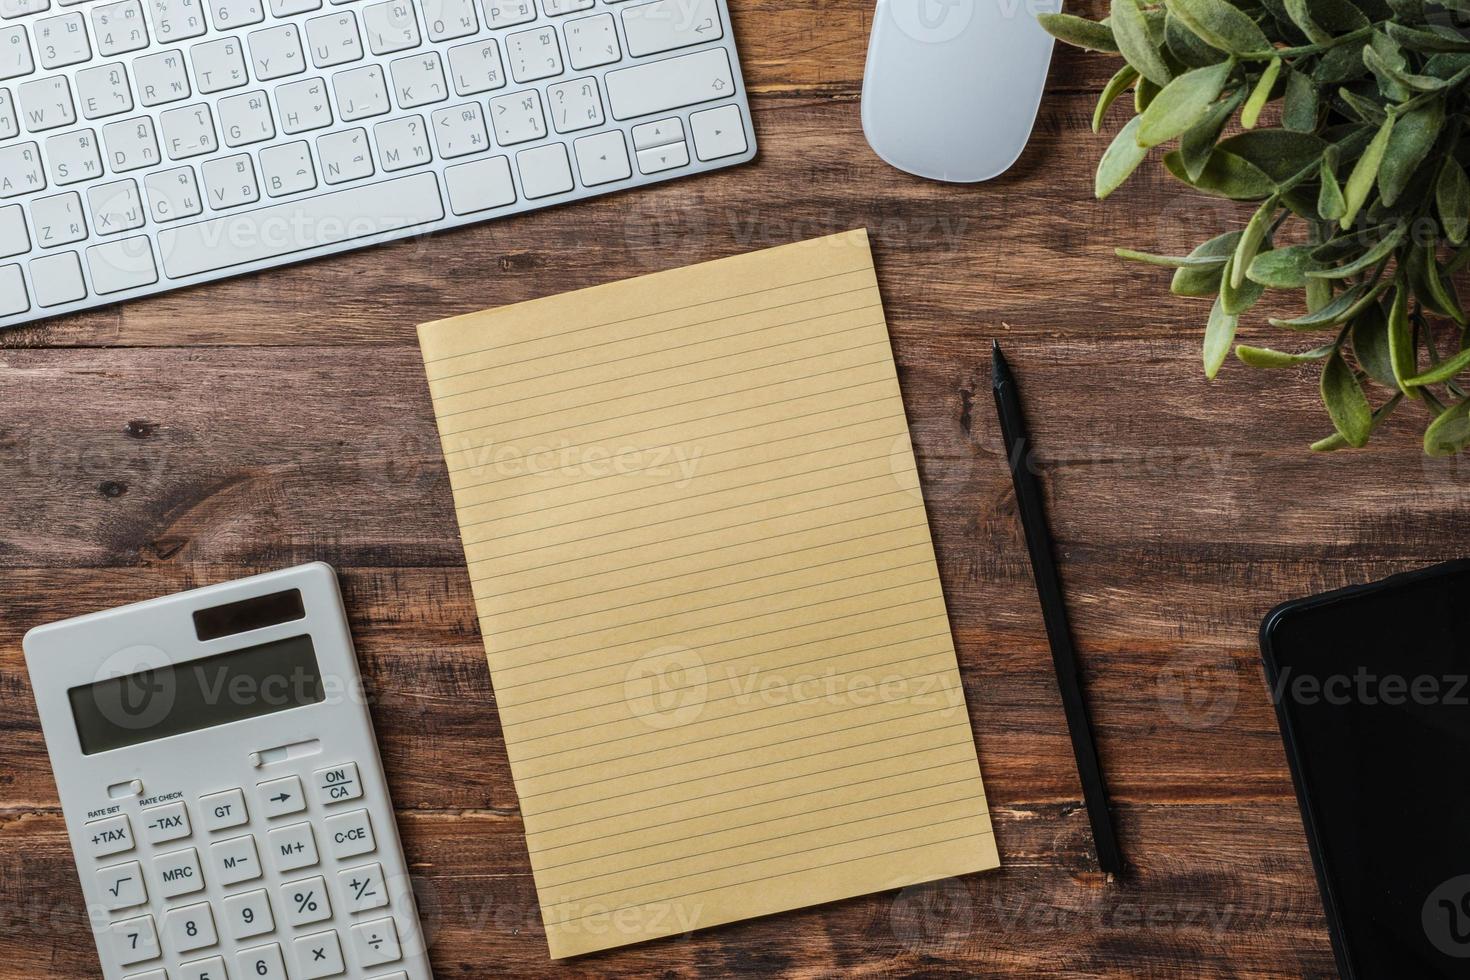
[(710, 603)]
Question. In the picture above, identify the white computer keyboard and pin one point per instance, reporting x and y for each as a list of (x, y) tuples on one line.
[(147, 145)]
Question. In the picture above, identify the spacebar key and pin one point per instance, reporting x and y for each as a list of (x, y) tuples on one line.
[(372, 211), (670, 84)]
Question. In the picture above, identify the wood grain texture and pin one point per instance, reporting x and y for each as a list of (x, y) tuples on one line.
[(284, 418)]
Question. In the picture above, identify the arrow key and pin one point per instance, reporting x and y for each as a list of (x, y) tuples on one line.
[(660, 158), (281, 797), (602, 159), (718, 132)]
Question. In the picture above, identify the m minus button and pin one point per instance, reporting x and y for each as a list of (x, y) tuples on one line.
[(669, 84)]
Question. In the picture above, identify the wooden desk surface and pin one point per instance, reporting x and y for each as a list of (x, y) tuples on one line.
[(284, 418)]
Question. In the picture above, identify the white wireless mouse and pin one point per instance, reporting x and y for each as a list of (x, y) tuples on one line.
[(952, 86)]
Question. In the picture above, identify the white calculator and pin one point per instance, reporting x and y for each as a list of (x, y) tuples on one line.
[(222, 787)]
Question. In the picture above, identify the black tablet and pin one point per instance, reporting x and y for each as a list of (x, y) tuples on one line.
[(1372, 690)]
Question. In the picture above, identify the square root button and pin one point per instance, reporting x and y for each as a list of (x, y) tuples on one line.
[(338, 784)]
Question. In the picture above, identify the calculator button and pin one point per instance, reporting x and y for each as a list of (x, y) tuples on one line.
[(236, 860), (190, 928), (111, 836), (162, 824), (249, 915), (363, 887), (319, 956), (210, 969), (224, 810), (122, 886), (163, 975), (261, 963), (376, 942), (338, 784), (179, 872), (135, 940), (306, 901), (293, 847), (281, 797), (350, 834)]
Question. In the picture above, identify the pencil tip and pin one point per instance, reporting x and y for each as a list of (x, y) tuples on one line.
[(997, 363)]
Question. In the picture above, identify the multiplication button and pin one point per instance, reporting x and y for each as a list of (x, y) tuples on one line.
[(169, 822), (281, 797), (111, 836), (221, 811), (338, 784), (319, 956)]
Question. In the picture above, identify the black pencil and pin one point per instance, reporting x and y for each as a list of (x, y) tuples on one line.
[(1054, 611)]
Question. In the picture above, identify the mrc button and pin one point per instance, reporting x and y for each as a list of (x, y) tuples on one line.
[(338, 784)]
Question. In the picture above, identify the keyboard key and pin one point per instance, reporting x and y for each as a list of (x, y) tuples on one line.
[(236, 860), (669, 84), (319, 955), (9, 121), (229, 15), (210, 969), (176, 20), (19, 8), (306, 901), (560, 8), (419, 80), (62, 41), (476, 67), (334, 39), (20, 171), (74, 157), (280, 797), (190, 928), (174, 194), (261, 963), (602, 159), (402, 143), (121, 265), (246, 118), (517, 117), (122, 885), (114, 835), (592, 42), (276, 53), (458, 132), (303, 105), (508, 13), (297, 226), (59, 220), (15, 53), (545, 170), (390, 27), (287, 169), (134, 940), (480, 186), (665, 25), (376, 942), (575, 105), (46, 103), (13, 237), (161, 78), (350, 834), (220, 810), (363, 888), (289, 8), (659, 133), (131, 144), (293, 847), (449, 19), (179, 872), (345, 156), (249, 915), (361, 93), (533, 55), (118, 207), (13, 297), (657, 159), (188, 131), (218, 65), (104, 91)]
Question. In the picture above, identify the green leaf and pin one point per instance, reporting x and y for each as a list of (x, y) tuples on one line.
[(1430, 286), (1368, 259), (1330, 203), (1299, 111), (1130, 30), (1343, 306), (1264, 357), (1335, 441), (1340, 64), (1191, 261), (1365, 109), (1450, 433), (1445, 370), (1301, 16), (1278, 153), (1237, 299), (1260, 94), (1221, 25), (1365, 172), (1413, 135), (1120, 159), (1402, 350), (1219, 335), (1079, 32), (1182, 103), (1346, 403), (1370, 345), (1116, 86), (1224, 175), (1390, 85), (1417, 39), (1447, 65), (1250, 241), (1452, 199), (1204, 280), (1283, 268), (1196, 145), (1185, 46)]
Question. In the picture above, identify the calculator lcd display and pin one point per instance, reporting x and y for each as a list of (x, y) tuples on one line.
[(197, 694)]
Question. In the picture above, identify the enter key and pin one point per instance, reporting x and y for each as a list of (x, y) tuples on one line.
[(665, 25)]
